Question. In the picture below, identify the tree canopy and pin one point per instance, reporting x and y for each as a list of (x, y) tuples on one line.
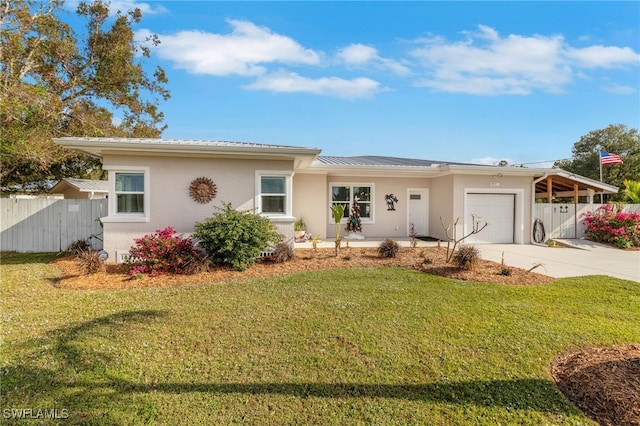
[(616, 139), (57, 82)]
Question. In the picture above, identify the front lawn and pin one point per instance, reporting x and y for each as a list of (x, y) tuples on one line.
[(356, 346)]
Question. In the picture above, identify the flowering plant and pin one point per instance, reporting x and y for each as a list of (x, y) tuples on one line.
[(162, 252), (608, 226)]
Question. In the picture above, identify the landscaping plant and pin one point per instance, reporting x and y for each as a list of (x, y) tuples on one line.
[(388, 248), (338, 212), (164, 252), (90, 261), (452, 234), (235, 238), (605, 225), (282, 252), (466, 257)]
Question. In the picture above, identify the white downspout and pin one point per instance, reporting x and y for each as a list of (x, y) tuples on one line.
[(533, 205)]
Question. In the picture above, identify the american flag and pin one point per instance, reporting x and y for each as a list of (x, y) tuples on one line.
[(607, 158)]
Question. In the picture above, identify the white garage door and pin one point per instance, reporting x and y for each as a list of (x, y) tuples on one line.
[(498, 210)]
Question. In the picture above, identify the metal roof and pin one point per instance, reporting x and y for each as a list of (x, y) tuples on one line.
[(375, 160), (175, 142), (82, 185)]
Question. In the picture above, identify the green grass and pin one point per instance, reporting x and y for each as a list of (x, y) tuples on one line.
[(360, 346)]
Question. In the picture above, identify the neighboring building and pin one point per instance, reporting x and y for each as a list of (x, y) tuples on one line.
[(81, 188), (154, 183)]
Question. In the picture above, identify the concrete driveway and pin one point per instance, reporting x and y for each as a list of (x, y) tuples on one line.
[(581, 257)]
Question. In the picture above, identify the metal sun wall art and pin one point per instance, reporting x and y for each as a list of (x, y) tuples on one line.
[(202, 190)]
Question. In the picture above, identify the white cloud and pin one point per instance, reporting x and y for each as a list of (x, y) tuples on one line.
[(603, 56), (487, 64), (245, 51), (358, 55), (288, 82), (490, 161), (619, 89)]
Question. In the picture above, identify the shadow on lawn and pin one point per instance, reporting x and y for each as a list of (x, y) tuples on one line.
[(82, 384)]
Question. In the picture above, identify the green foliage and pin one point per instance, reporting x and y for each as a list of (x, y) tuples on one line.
[(631, 191), (338, 213), (299, 225), (466, 257), (55, 81), (235, 238), (617, 139), (388, 248)]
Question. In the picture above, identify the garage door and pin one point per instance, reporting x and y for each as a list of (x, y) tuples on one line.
[(498, 210)]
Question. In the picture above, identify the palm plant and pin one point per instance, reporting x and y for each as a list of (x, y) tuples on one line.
[(632, 191)]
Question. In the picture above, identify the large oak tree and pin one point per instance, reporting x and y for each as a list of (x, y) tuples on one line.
[(617, 139), (56, 82)]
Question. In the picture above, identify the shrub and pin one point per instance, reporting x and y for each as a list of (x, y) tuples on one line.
[(466, 257), (617, 228), (235, 238), (78, 247), (388, 248), (164, 252), (282, 252), (90, 261)]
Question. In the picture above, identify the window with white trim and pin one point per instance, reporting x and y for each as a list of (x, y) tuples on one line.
[(129, 194), (274, 193), (347, 194), (129, 191)]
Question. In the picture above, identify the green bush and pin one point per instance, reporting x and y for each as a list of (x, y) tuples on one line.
[(388, 248), (235, 238)]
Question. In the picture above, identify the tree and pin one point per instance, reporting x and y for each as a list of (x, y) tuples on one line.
[(55, 82), (617, 139), (354, 223)]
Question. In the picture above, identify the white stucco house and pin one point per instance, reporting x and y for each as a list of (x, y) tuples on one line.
[(154, 183)]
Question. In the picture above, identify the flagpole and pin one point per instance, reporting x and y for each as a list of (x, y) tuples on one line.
[(600, 162)]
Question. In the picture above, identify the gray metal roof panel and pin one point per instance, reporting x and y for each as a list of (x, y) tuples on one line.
[(375, 160)]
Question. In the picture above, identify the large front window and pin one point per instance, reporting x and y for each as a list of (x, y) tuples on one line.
[(129, 192), (347, 194)]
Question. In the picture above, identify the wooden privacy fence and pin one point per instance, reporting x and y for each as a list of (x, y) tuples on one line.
[(566, 220), (49, 225)]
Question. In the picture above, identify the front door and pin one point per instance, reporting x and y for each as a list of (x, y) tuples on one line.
[(418, 211)]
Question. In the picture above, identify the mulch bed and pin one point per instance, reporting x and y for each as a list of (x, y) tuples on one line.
[(604, 382), (115, 275)]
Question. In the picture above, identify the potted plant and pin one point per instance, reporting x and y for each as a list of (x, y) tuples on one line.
[(299, 228)]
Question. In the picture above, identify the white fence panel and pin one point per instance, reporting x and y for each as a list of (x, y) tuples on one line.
[(49, 225), (566, 220)]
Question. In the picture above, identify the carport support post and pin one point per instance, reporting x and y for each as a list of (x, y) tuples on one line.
[(550, 199), (575, 210)]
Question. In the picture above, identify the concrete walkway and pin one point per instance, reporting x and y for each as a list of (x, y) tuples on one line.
[(576, 257)]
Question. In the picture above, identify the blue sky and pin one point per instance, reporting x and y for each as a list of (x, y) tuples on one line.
[(460, 81)]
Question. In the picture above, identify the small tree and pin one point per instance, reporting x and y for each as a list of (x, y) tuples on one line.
[(235, 238), (451, 230), (338, 213)]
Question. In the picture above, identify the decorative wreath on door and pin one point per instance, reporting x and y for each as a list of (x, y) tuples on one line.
[(202, 190)]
